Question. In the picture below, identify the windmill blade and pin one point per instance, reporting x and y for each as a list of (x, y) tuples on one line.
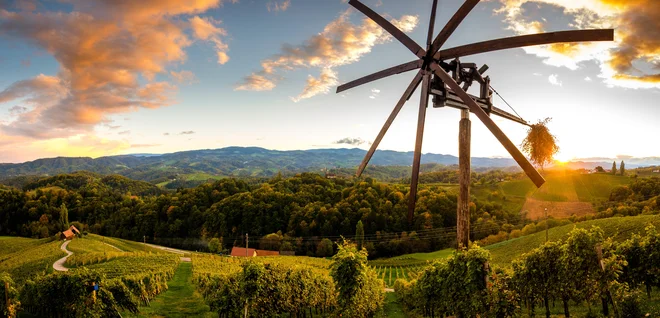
[(451, 26), (423, 103), (490, 124), (526, 40), (411, 88), (405, 67), (429, 38), (389, 27)]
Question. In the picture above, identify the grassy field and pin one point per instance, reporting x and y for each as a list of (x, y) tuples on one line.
[(597, 187)]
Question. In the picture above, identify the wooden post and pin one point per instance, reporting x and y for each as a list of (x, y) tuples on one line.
[(463, 207)]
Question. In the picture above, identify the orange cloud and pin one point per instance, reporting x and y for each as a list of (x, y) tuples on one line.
[(278, 6), (321, 85), (340, 43), (637, 40), (109, 53)]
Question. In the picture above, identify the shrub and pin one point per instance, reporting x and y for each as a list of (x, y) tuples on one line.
[(9, 307)]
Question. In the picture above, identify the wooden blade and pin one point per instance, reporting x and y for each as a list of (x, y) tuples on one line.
[(405, 67), (411, 88), (389, 27), (490, 124), (451, 26), (429, 38), (526, 40), (423, 103)]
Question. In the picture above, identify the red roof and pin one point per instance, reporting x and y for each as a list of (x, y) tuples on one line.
[(267, 253), (241, 252)]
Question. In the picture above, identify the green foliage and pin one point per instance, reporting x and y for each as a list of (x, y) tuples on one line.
[(215, 245), (642, 255), (10, 305), (453, 286), (622, 169), (359, 235), (360, 292), (64, 217), (324, 249), (613, 168)]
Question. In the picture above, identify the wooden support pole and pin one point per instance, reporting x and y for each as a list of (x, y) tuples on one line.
[(463, 207)]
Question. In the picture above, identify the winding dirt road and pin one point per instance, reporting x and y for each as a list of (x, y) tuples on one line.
[(59, 264)]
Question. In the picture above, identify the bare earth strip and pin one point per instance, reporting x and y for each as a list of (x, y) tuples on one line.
[(59, 264), (536, 209)]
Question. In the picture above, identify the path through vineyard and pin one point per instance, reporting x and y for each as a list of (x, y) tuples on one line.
[(59, 264), (180, 300)]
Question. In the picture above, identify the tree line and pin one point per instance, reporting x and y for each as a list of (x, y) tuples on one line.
[(298, 212)]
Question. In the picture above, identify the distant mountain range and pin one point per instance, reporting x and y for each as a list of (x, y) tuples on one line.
[(230, 161), (253, 162)]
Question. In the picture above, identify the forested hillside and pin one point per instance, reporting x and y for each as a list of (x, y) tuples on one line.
[(297, 211)]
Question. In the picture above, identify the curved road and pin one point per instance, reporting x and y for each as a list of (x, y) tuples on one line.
[(59, 264)]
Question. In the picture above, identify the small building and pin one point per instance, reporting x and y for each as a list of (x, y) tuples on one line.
[(267, 253), (243, 252), (70, 233)]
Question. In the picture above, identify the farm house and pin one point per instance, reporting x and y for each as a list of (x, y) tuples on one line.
[(70, 233)]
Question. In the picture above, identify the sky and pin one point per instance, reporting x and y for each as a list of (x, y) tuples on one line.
[(103, 77)]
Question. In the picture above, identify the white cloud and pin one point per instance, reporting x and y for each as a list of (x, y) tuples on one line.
[(554, 80)]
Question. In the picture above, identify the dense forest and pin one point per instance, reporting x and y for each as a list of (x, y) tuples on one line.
[(293, 213), (297, 212)]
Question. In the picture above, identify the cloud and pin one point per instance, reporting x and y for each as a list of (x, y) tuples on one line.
[(554, 80), (374, 93), (166, 134), (630, 61), (109, 53), (624, 157), (144, 145), (276, 6), (587, 79), (17, 110), (320, 85), (187, 132), (20, 148), (183, 77), (112, 127), (125, 132), (206, 29), (350, 141), (340, 43)]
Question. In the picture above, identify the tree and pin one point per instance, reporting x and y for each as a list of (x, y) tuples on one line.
[(64, 217), (600, 169), (622, 168), (359, 235), (540, 144), (324, 249), (215, 245), (613, 168)]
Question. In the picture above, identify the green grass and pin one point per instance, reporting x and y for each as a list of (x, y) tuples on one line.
[(126, 245), (392, 308), (88, 245), (558, 187), (596, 187), (619, 228), (180, 300)]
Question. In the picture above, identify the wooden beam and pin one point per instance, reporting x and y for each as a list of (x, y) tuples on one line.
[(526, 40), (429, 38), (411, 88), (531, 172), (451, 26), (423, 103), (405, 67), (390, 28), (464, 174)]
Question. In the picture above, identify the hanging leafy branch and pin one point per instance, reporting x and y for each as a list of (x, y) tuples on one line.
[(540, 145)]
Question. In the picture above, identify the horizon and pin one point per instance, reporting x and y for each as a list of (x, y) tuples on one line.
[(556, 161), (239, 73)]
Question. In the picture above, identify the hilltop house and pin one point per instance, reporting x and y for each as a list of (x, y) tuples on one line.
[(70, 233)]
